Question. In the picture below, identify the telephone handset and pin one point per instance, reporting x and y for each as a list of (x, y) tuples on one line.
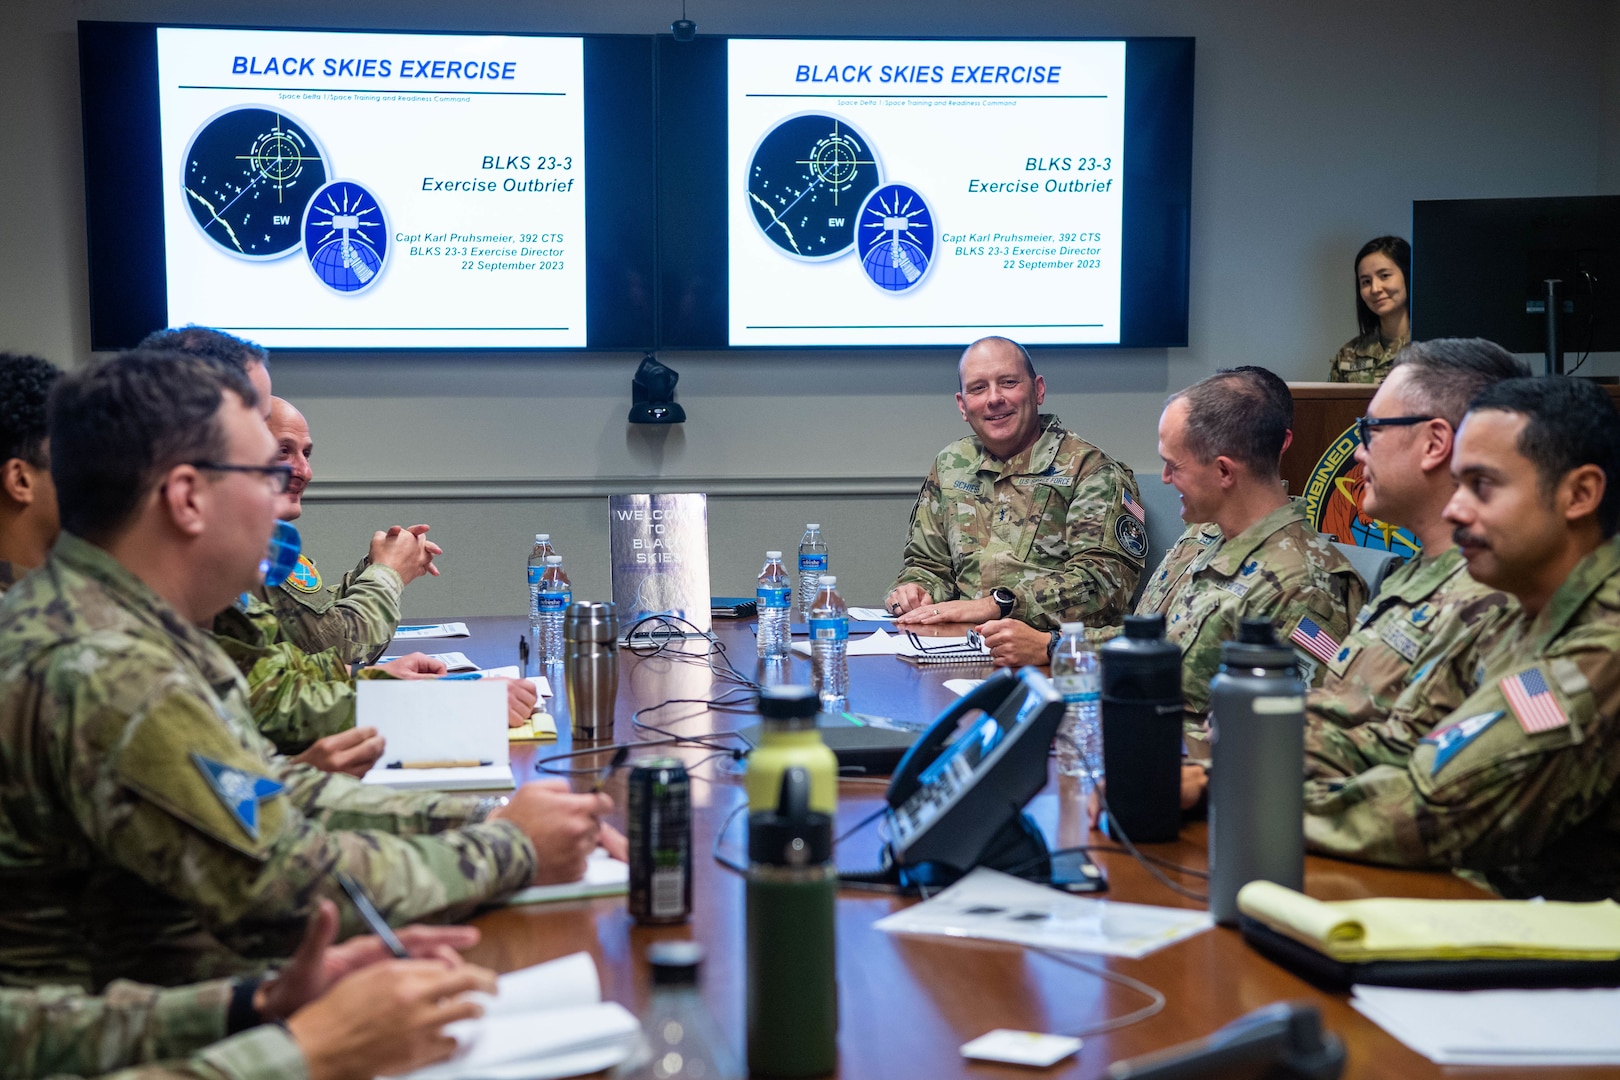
[(958, 803)]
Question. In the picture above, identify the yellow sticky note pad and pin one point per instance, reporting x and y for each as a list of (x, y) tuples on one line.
[(540, 728)]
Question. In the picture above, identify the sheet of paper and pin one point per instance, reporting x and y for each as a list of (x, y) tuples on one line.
[(877, 644), (961, 687), (416, 631), (604, 876), (557, 984), (542, 685), (999, 907), (871, 614), (1518, 1028), (452, 661), (437, 720)]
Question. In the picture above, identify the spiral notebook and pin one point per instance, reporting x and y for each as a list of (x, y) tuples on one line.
[(931, 651)]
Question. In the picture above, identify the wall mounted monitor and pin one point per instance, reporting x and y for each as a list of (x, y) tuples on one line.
[(862, 192), (361, 190), (1479, 269)]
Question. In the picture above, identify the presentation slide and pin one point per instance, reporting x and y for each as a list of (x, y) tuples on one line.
[(924, 192), (358, 190)]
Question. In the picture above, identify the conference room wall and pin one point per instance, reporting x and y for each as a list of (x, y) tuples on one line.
[(1316, 125)]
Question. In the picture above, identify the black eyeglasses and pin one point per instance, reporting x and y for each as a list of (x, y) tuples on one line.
[(279, 475), (1365, 425)]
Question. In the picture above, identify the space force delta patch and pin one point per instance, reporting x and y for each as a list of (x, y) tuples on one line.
[(240, 792), (1447, 742)]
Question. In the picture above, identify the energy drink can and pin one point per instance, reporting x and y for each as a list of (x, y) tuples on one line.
[(660, 824)]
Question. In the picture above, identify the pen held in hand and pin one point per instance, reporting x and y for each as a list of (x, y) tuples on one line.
[(620, 756), (437, 764), (372, 918)]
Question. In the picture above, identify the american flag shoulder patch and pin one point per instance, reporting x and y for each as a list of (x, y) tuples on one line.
[(1134, 508), (1533, 702), (1315, 640)]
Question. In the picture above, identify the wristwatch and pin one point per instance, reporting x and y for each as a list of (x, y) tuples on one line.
[(1051, 646), (486, 806), (1004, 599)]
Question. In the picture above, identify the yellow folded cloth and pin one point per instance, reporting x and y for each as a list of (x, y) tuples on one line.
[(540, 728), (1393, 929)]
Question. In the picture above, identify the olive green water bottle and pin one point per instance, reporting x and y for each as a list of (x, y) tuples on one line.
[(791, 890)]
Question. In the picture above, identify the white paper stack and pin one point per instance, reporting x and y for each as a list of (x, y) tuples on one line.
[(999, 907), (1517, 1028), (424, 720), (544, 1021)]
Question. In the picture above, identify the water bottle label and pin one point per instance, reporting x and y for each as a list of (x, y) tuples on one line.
[(534, 574), (813, 562), (829, 629), (554, 603), (775, 597)]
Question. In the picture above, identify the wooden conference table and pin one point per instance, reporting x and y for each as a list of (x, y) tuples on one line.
[(908, 1003)]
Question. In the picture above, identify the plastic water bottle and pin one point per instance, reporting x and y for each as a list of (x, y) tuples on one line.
[(829, 647), (537, 566), (552, 606), (812, 564), (684, 1041), (1076, 674), (775, 600)]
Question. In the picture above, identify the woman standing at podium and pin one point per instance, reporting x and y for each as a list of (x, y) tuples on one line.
[(1383, 268)]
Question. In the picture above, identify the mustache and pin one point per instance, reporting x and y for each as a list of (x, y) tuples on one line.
[(1463, 538)]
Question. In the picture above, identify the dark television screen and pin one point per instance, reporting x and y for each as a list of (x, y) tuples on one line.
[(1479, 267)]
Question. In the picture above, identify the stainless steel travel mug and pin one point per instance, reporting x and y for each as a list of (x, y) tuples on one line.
[(591, 668)]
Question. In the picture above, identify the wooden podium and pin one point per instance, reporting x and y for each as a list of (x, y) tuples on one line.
[(1322, 412)]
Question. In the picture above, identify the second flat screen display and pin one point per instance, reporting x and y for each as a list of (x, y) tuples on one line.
[(924, 192)]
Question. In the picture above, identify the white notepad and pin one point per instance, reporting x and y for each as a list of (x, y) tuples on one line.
[(543, 1021), (437, 720), (604, 876)]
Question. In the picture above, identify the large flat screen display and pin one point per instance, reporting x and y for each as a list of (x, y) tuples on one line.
[(321, 189), (920, 192), (926, 192)]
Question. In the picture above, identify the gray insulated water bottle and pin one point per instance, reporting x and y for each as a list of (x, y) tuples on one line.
[(1257, 768), (1141, 729)]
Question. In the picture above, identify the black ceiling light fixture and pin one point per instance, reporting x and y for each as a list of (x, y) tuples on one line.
[(652, 393), (683, 28)]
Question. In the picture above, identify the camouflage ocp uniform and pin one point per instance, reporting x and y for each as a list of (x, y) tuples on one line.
[(137, 1032), (1367, 359), (148, 832), (357, 617), (1416, 651), (295, 697), (1054, 524), (1521, 782), (1279, 568)]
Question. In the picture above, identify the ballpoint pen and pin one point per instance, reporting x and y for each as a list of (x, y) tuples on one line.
[(368, 912), (620, 755)]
